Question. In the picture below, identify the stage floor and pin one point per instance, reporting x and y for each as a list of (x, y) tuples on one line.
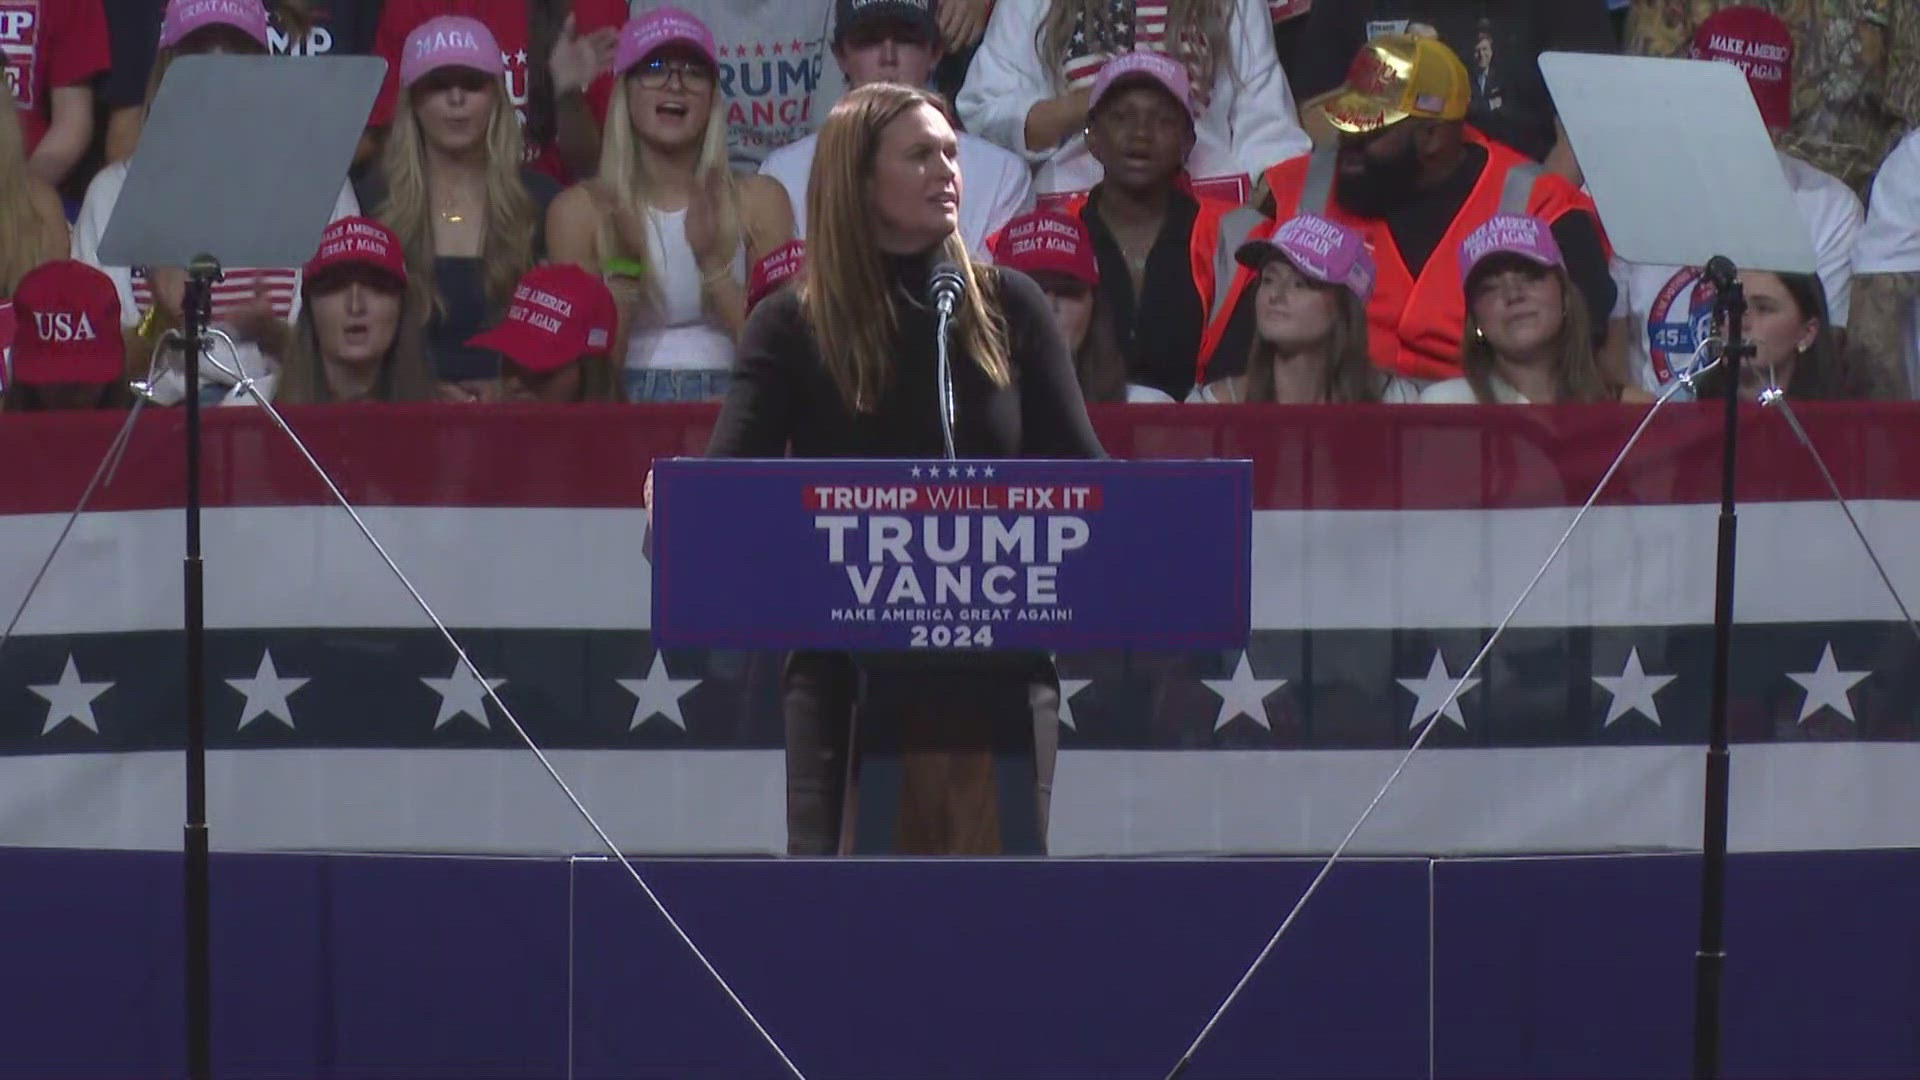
[(541, 969)]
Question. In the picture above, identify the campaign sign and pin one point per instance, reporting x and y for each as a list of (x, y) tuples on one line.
[(1010, 554)]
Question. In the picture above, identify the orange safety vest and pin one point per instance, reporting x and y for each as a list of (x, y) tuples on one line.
[(1417, 323), (1218, 231)]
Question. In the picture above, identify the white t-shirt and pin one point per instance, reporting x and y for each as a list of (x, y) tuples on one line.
[(1460, 392), (1250, 124), (281, 285), (995, 186), (1890, 240), (1670, 308), (1147, 395), (1396, 391), (776, 69)]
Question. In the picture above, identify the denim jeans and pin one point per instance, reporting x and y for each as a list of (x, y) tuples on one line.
[(676, 384)]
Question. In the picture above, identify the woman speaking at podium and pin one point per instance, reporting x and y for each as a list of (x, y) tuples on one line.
[(844, 366)]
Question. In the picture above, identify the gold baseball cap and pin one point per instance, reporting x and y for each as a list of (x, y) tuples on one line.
[(1397, 76)]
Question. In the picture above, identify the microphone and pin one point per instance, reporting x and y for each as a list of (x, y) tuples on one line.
[(1721, 271), (944, 289)]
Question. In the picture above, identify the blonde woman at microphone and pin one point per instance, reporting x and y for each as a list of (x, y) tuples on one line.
[(844, 366)]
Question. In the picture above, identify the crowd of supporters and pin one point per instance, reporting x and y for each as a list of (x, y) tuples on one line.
[(1292, 201)]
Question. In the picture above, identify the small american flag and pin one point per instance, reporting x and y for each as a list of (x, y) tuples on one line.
[(1135, 26)]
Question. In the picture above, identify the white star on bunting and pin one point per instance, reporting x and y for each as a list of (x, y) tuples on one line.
[(266, 693), (1243, 695), (1068, 688), (1827, 686), (1433, 689), (1633, 691), (462, 695), (71, 699), (658, 695)]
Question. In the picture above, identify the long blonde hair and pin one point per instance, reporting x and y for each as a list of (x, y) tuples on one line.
[(29, 239), (1577, 375), (844, 291), (1196, 30), (1349, 377), (623, 173), (512, 217)]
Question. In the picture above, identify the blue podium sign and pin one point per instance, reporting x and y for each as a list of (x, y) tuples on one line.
[(885, 555)]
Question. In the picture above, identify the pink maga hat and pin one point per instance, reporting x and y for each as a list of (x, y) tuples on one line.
[(646, 34), (1326, 251), (1510, 234), (183, 17), (1171, 74), (450, 41)]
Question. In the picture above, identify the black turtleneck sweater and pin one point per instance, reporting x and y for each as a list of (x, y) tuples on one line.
[(783, 400)]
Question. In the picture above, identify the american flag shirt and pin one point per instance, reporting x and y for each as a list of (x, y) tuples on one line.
[(1132, 25), (1248, 124)]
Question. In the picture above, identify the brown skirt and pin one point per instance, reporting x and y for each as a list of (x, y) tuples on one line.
[(941, 717)]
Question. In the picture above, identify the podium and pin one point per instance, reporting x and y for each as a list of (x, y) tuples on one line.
[(950, 585)]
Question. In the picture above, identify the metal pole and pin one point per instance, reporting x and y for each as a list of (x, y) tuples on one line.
[(196, 307), (1710, 956)]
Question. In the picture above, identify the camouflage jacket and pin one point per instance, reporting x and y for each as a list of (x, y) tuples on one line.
[(1856, 72)]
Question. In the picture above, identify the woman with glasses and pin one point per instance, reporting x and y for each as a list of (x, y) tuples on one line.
[(667, 224), (451, 185)]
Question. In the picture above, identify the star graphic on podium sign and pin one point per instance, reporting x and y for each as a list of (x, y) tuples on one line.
[(1433, 689), (916, 472), (1243, 695), (953, 472), (71, 699), (1828, 687), (1068, 688), (462, 695), (658, 695), (972, 472), (266, 693), (1633, 691), (987, 472)]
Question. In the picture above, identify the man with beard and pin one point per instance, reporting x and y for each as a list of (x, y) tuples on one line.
[(1415, 180)]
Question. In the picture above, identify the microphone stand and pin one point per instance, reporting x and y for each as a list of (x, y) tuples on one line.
[(947, 287), (946, 378), (196, 309), (1710, 956)]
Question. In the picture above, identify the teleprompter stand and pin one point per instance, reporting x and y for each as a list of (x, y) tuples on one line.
[(241, 162)]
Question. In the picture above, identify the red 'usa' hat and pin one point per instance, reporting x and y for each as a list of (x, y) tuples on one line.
[(68, 326)]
